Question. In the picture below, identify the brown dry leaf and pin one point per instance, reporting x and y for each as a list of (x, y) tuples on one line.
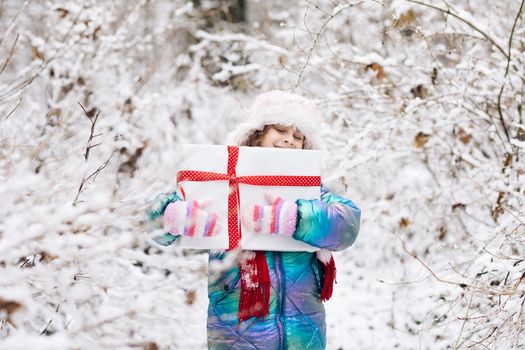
[(419, 91), (458, 206), (463, 136), (378, 68), (190, 296), (404, 222), (282, 60), (239, 83), (9, 307), (508, 159), (151, 346), (47, 257), (62, 12), (443, 230), (36, 54), (128, 106), (130, 165), (54, 112), (498, 209), (421, 139), (434, 75), (496, 212), (94, 36), (405, 19)]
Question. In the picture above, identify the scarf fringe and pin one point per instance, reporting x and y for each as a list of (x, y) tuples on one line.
[(254, 300), (329, 272)]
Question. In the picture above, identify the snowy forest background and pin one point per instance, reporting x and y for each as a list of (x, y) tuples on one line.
[(424, 128)]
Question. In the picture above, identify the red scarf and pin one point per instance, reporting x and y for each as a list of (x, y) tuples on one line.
[(255, 285), (255, 282)]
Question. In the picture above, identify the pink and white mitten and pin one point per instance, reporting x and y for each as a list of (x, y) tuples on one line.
[(278, 218), (189, 218)]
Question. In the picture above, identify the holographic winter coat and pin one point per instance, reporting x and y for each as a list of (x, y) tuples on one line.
[(297, 316)]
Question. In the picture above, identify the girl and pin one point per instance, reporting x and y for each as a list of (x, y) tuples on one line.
[(289, 314)]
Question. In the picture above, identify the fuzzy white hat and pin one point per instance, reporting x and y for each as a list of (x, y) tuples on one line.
[(279, 107)]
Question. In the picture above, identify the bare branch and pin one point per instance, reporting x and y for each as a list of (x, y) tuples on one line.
[(482, 340), (14, 108), (507, 72), (19, 87), (92, 176), (486, 290), (49, 323), (95, 325), (465, 319), (13, 22), (470, 24), (92, 134), (11, 51), (318, 36)]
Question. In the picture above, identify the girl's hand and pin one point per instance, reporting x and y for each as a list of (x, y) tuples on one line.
[(155, 210), (189, 218), (280, 217)]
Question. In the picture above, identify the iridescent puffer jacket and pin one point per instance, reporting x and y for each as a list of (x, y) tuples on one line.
[(297, 316)]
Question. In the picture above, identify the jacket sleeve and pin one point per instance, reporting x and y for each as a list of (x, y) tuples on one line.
[(332, 222), (154, 218)]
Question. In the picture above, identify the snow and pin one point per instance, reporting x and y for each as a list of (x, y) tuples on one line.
[(442, 230)]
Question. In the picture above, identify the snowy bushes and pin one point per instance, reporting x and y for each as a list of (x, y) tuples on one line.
[(424, 129)]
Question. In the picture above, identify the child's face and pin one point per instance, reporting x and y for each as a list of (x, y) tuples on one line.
[(281, 136)]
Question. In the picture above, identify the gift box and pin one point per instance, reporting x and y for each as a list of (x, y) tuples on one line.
[(236, 178)]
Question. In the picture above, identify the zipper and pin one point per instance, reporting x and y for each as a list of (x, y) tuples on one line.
[(280, 298)]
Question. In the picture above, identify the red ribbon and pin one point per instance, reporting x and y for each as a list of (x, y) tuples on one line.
[(234, 201)]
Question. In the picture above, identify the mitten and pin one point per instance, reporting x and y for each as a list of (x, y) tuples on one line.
[(280, 217), (189, 218), (154, 221)]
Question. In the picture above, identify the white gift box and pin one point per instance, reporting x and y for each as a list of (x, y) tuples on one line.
[(259, 163)]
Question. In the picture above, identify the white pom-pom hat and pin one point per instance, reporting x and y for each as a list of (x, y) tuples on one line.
[(279, 107)]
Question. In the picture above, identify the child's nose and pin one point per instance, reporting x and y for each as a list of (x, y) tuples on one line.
[(288, 138)]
